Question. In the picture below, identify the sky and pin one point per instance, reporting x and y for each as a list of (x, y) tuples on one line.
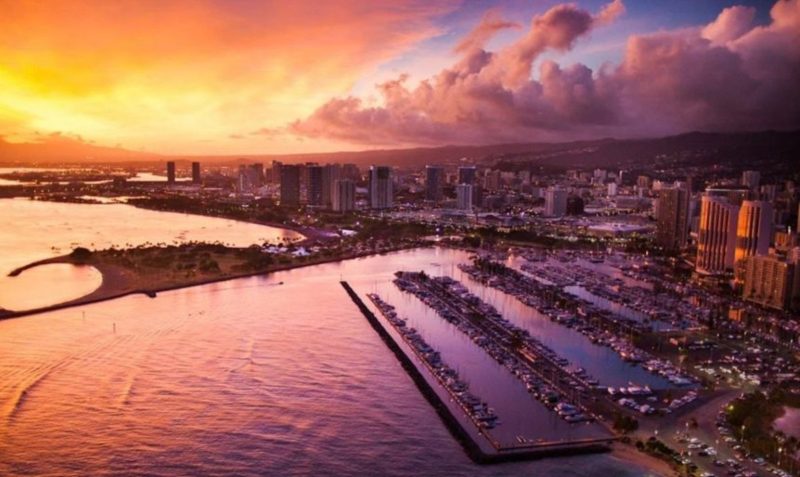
[(245, 77)]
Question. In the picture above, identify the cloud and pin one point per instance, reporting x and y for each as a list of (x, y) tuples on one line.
[(731, 24), (727, 75), (610, 12), (269, 132), (490, 25), (158, 74)]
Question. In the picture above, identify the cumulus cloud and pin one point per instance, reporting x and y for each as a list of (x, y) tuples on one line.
[(731, 24), (727, 75), (490, 25)]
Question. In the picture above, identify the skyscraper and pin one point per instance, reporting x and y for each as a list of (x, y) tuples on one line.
[(464, 196), (381, 193), (753, 229), (170, 172), (575, 205), (196, 173), (251, 177), (434, 179), (466, 175), (276, 172), (344, 195), (330, 174), (491, 180), (716, 238), (751, 179), (672, 220), (290, 185), (315, 186), (555, 202)]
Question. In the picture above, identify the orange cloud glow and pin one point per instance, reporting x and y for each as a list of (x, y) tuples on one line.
[(162, 75)]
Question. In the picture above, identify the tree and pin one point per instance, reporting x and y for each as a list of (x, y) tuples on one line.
[(81, 254)]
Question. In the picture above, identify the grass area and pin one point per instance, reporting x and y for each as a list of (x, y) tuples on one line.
[(160, 267)]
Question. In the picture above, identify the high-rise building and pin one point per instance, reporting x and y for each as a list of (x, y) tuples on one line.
[(575, 205), (350, 171), (716, 238), (611, 189), (170, 172), (464, 196), (196, 173), (734, 195), (315, 186), (672, 219), (491, 181), (768, 192), (434, 180), (467, 174), (477, 195), (753, 229), (276, 172), (643, 182), (771, 282), (381, 189), (600, 175), (330, 174), (751, 179), (555, 202), (344, 195), (290, 185), (251, 177)]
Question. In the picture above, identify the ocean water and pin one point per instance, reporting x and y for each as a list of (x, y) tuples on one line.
[(277, 375)]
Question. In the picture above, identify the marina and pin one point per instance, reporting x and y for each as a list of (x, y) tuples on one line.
[(599, 326), (530, 361), (469, 419)]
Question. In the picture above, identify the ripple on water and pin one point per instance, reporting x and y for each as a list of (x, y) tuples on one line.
[(321, 393)]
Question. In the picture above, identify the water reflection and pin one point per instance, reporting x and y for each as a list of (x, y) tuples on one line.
[(48, 285), (35, 230), (248, 377)]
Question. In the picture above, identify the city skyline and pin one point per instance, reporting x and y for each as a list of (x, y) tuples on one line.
[(461, 237), (269, 78)]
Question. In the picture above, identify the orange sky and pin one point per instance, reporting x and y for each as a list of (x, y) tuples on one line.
[(194, 76), (211, 77)]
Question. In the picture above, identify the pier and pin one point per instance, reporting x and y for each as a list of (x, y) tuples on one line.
[(475, 438), (602, 327), (538, 367)]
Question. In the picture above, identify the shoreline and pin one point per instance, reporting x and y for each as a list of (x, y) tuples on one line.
[(308, 234), (116, 280), (629, 453)]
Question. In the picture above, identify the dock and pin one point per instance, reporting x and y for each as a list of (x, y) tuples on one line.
[(476, 441)]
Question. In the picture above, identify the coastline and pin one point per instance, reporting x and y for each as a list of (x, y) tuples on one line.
[(117, 279), (629, 453)]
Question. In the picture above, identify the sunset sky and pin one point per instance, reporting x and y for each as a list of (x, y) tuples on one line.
[(236, 77)]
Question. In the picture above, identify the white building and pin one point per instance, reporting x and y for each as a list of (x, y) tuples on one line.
[(464, 196)]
